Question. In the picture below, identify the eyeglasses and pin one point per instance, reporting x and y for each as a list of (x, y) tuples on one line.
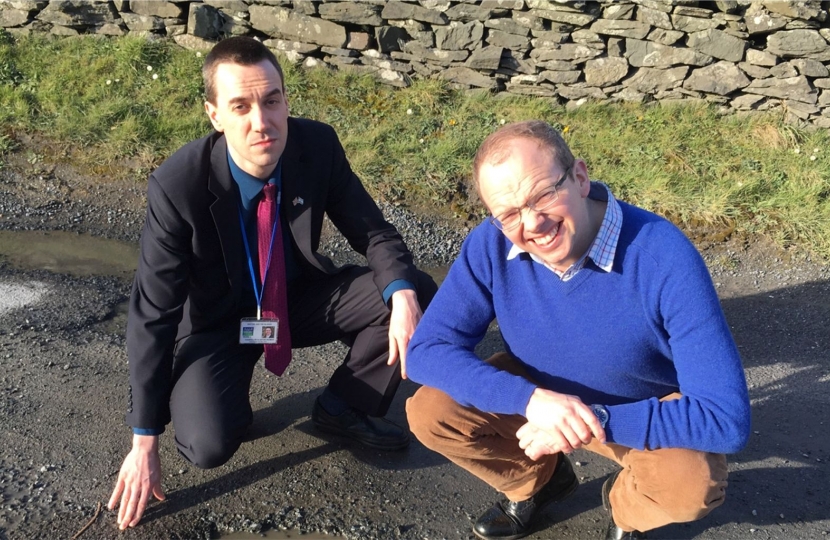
[(511, 219)]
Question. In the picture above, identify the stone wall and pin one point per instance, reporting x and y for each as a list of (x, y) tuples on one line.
[(744, 55)]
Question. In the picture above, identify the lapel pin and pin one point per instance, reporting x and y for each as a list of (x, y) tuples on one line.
[(297, 201)]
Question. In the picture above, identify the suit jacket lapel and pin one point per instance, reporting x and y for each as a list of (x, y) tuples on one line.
[(225, 212)]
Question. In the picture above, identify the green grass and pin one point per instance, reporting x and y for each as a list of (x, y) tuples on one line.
[(746, 174), (99, 95)]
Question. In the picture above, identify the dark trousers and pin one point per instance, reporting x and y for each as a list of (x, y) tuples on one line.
[(209, 404)]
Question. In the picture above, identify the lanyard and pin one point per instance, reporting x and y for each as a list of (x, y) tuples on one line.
[(257, 290)]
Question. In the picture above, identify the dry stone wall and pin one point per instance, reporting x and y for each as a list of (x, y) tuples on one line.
[(744, 55)]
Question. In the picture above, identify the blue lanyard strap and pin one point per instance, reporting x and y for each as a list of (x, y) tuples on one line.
[(258, 292)]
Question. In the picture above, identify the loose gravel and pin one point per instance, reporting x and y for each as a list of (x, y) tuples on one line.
[(63, 389)]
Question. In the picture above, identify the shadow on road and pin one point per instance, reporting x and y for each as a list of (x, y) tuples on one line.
[(784, 339), (183, 499), (291, 409)]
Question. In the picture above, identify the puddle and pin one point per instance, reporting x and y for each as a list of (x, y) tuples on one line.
[(85, 255), (281, 535), (68, 253)]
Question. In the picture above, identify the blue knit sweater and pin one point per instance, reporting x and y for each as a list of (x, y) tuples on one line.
[(650, 327)]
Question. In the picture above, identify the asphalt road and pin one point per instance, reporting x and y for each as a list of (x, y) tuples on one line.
[(63, 390)]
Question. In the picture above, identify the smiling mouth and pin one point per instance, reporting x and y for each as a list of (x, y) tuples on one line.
[(548, 239)]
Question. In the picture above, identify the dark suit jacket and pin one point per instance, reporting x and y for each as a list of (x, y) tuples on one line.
[(193, 269)]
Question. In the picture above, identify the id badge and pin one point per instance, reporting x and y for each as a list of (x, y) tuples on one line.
[(253, 331)]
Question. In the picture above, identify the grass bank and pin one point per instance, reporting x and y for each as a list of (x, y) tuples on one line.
[(103, 100)]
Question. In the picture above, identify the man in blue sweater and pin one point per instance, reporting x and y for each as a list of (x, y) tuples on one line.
[(615, 343)]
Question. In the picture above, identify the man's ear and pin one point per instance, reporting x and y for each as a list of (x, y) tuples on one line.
[(212, 111), (580, 174)]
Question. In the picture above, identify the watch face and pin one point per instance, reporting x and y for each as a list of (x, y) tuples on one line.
[(601, 414)]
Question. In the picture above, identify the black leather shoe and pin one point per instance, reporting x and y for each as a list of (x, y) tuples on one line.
[(376, 433), (614, 532), (507, 520)]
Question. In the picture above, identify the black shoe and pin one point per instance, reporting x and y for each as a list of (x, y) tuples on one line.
[(507, 520), (614, 532), (376, 433)]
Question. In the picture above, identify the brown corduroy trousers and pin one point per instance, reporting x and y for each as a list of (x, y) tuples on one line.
[(654, 488)]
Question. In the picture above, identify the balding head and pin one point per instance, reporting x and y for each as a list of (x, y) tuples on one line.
[(497, 147)]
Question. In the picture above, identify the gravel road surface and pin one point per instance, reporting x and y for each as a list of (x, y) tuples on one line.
[(67, 247)]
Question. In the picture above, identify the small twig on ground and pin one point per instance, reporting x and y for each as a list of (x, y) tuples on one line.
[(91, 521)]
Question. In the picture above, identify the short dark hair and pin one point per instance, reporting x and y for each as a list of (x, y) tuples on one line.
[(242, 50), (496, 147)]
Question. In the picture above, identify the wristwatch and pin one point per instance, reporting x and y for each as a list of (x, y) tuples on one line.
[(601, 413)]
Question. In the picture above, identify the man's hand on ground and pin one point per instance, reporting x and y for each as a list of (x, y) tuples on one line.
[(406, 313), (140, 476)]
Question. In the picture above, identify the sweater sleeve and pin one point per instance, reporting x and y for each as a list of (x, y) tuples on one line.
[(713, 413), (442, 350)]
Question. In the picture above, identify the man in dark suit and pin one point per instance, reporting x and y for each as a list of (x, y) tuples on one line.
[(197, 286)]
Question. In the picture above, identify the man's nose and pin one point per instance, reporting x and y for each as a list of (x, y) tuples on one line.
[(258, 121), (531, 218)]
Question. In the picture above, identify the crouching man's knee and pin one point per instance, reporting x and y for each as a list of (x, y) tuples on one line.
[(424, 411), (686, 484), (208, 453), (703, 489)]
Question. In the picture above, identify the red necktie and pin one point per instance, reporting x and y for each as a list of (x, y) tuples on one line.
[(275, 293)]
